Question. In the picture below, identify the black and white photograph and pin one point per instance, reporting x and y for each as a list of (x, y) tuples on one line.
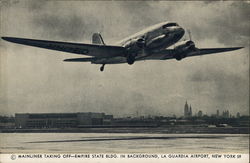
[(138, 80)]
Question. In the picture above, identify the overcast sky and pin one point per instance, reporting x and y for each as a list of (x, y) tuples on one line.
[(37, 80)]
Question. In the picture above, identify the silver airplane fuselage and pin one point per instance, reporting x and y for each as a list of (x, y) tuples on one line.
[(146, 42)]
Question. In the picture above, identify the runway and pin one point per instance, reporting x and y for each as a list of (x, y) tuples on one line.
[(123, 143)]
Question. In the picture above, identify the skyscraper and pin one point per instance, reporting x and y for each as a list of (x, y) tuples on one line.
[(217, 113), (225, 114), (186, 110), (190, 111)]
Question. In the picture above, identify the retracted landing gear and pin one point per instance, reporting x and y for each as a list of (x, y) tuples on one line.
[(102, 67)]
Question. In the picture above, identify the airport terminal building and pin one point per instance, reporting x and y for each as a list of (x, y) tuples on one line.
[(61, 120)]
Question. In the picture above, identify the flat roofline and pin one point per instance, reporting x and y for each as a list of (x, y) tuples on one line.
[(59, 113)]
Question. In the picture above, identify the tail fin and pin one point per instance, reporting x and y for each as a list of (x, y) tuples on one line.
[(97, 39)]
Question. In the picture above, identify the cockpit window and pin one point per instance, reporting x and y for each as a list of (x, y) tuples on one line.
[(169, 25)]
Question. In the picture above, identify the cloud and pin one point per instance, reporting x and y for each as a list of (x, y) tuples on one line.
[(234, 25), (226, 86), (71, 27)]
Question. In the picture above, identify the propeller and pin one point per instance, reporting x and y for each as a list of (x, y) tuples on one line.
[(143, 47), (189, 35), (190, 38)]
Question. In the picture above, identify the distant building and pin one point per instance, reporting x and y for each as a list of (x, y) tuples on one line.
[(199, 113), (187, 110), (190, 111), (61, 120), (217, 113), (238, 115), (225, 114)]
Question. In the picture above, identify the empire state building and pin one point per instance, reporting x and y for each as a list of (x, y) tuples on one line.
[(187, 110)]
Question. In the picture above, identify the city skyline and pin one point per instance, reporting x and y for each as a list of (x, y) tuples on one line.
[(188, 113)]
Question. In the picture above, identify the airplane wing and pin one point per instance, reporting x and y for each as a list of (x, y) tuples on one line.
[(160, 55), (212, 51), (77, 48), (169, 53)]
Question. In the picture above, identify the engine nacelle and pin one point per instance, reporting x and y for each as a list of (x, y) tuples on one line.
[(135, 44), (183, 48), (140, 42)]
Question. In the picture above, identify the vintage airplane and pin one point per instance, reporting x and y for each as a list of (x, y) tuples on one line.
[(149, 44)]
